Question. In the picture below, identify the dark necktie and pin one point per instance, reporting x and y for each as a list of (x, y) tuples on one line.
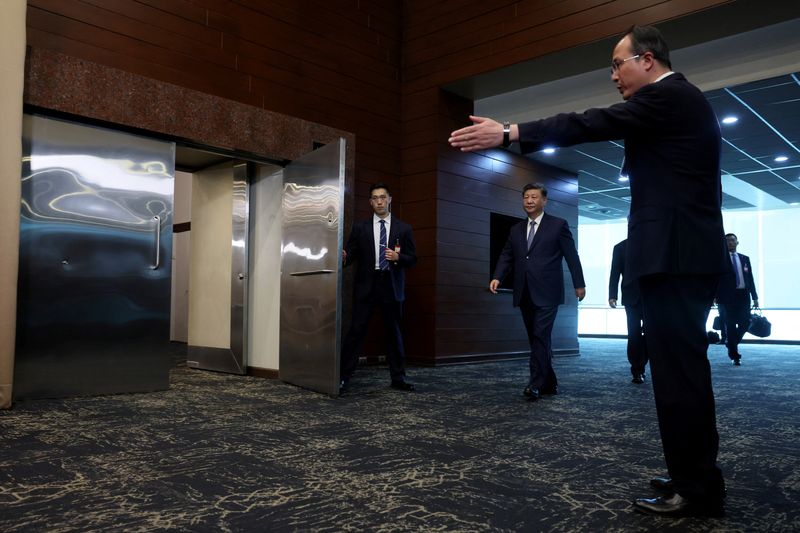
[(383, 262), (531, 233)]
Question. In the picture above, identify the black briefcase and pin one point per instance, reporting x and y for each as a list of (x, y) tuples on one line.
[(717, 324), (759, 325)]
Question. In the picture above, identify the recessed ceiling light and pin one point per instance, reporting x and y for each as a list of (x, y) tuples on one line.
[(730, 119), (794, 203), (781, 159), (549, 150), (622, 177)]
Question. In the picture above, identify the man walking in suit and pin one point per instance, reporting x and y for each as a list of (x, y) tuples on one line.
[(534, 250), (733, 297), (675, 245), (637, 351), (383, 246)]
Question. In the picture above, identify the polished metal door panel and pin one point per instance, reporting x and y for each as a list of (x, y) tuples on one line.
[(311, 274), (95, 261)]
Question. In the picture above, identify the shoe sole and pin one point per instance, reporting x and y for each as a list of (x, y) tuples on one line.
[(689, 511)]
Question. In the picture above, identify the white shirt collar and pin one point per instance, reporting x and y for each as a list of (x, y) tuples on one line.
[(377, 220), (664, 76)]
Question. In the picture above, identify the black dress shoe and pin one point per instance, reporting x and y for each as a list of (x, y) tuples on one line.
[(532, 393), (676, 505), (638, 378), (403, 385), (663, 484), (344, 386), (737, 362)]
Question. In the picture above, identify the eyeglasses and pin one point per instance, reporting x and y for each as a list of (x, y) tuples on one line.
[(619, 62)]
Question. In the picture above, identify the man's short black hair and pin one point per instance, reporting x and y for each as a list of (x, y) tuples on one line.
[(538, 186), (731, 235), (649, 39), (379, 185)]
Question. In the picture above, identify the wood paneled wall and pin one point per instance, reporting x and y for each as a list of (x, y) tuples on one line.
[(373, 68), (447, 41), (472, 323), (448, 196), (451, 196)]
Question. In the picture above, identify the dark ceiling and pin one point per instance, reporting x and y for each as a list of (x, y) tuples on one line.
[(768, 126)]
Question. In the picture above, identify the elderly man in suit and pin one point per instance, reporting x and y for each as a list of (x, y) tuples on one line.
[(675, 245), (637, 351), (733, 297), (383, 248), (534, 249)]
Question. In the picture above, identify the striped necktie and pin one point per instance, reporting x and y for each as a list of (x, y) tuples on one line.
[(383, 263), (531, 233)]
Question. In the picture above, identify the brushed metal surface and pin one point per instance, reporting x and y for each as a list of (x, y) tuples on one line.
[(95, 248), (239, 266), (313, 197)]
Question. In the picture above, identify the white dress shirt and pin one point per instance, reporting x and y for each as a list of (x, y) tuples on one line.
[(535, 227), (737, 264)]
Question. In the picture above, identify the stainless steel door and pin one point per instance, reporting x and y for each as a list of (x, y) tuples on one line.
[(311, 276), (95, 258)]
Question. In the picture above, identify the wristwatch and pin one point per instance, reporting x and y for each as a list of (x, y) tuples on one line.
[(506, 134)]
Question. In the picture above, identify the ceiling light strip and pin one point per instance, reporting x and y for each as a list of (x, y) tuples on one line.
[(762, 119), (767, 168)]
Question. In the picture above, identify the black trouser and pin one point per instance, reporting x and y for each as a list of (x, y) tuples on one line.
[(382, 296), (723, 332), (539, 325), (637, 349), (737, 320), (675, 311)]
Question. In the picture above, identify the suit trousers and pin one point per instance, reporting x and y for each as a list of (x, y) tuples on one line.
[(637, 349), (737, 320), (380, 296), (539, 325), (675, 310), (723, 317)]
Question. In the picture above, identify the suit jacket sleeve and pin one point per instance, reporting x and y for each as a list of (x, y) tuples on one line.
[(647, 110), (751, 284), (353, 247), (408, 248), (571, 255), (617, 262), (506, 259)]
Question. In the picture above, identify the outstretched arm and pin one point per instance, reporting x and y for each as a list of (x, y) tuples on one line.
[(484, 133)]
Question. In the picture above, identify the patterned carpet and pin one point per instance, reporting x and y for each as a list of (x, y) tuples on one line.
[(464, 453)]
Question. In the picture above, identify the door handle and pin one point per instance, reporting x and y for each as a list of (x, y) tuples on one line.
[(157, 220), (311, 272)]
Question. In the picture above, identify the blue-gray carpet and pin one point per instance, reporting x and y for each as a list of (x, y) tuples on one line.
[(465, 452)]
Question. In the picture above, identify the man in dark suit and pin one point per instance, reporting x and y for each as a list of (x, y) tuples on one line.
[(733, 297), (383, 246), (534, 250), (637, 351), (675, 245)]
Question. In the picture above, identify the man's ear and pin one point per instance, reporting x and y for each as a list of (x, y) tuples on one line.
[(649, 60)]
